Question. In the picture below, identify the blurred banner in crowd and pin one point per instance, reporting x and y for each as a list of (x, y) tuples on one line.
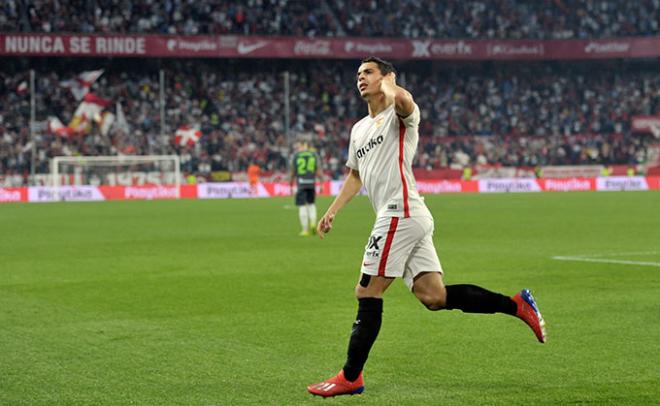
[(646, 124)]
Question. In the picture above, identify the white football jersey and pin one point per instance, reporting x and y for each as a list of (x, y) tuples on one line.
[(382, 150)]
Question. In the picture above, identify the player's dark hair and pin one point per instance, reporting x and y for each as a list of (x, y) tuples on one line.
[(384, 66)]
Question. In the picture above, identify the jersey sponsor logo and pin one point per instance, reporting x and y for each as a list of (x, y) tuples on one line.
[(373, 143)]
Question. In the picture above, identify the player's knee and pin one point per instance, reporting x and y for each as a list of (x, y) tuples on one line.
[(362, 292), (434, 301), (366, 289)]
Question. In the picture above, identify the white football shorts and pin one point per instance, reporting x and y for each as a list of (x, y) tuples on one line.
[(402, 248)]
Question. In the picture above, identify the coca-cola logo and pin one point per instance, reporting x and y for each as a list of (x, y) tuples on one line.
[(516, 50), (606, 47), (428, 48), (315, 48), (369, 48)]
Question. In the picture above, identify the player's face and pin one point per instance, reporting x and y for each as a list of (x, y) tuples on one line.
[(368, 79)]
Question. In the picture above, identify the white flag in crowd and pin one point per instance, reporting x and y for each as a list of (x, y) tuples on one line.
[(22, 88), (187, 135), (121, 122), (81, 84), (106, 122), (655, 130)]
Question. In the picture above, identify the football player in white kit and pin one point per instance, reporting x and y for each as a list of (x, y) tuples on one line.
[(381, 151)]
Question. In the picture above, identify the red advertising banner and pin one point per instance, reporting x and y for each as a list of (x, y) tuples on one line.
[(232, 190), (234, 46), (447, 186), (567, 185), (147, 192), (653, 182), (8, 195)]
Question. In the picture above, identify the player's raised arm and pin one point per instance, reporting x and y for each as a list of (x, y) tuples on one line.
[(350, 188), (403, 100)]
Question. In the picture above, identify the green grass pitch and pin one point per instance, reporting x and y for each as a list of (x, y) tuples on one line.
[(221, 303)]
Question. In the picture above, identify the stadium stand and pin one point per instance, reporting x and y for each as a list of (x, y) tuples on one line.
[(502, 19), (509, 115)]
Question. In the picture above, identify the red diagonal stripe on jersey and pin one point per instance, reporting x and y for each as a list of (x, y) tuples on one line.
[(388, 243), (402, 132)]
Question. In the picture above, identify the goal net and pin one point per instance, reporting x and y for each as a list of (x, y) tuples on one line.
[(123, 170)]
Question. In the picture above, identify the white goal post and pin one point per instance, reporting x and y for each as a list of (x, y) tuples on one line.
[(119, 170)]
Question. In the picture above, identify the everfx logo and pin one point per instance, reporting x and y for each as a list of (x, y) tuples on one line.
[(421, 48), (373, 242)]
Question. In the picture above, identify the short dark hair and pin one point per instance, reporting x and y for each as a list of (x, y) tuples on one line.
[(384, 66)]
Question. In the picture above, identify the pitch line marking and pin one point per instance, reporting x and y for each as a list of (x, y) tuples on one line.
[(617, 254), (595, 258)]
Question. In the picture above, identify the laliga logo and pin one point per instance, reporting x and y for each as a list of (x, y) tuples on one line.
[(171, 45), (349, 46)]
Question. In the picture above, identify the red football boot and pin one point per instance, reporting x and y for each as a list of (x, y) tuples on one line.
[(337, 385), (529, 312)]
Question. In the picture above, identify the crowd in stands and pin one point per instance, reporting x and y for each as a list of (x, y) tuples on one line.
[(512, 115), (500, 19), (182, 17)]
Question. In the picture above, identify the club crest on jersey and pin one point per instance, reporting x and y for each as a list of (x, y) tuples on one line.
[(373, 143)]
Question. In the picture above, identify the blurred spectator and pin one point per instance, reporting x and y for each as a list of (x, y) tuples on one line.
[(182, 17), (508, 114), (501, 19)]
